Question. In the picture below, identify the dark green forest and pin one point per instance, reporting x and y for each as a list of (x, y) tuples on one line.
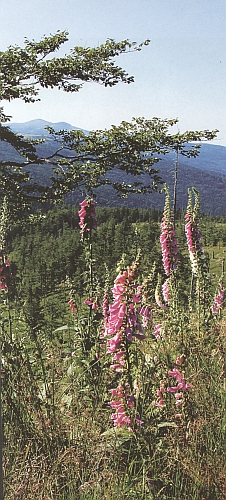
[(48, 258)]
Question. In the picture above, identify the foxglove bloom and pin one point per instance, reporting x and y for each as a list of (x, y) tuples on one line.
[(122, 322), (93, 302), (123, 404), (160, 397), (86, 216), (218, 299), (157, 331), (169, 246), (193, 234), (168, 240), (166, 291), (158, 294), (72, 306), (181, 385), (144, 311), (119, 417)]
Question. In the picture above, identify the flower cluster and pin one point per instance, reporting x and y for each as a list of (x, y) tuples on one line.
[(181, 386), (5, 273), (163, 292), (124, 320), (193, 234), (168, 240), (71, 302), (160, 397), (157, 331), (93, 302), (86, 216), (144, 311), (72, 305), (122, 403), (166, 291), (218, 299), (158, 294), (119, 403)]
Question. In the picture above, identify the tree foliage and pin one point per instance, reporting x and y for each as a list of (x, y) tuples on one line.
[(22, 70), (132, 147), (79, 159)]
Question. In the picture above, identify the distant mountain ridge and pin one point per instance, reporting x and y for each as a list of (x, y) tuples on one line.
[(37, 127), (212, 158), (207, 173)]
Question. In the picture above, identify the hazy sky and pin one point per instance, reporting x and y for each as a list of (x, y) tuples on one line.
[(182, 73)]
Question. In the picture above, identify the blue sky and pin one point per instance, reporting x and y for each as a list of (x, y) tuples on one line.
[(182, 73)]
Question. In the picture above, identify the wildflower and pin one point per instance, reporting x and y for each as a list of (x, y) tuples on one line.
[(170, 250), (115, 342), (166, 290), (178, 395), (181, 385), (192, 232), (157, 331), (92, 302), (180, 359), (122, 322), (72, 306), (86, 216), (121, 405), (160, 394), (168, 240), (158, 296), (144, 311), (120, 418), (218, 299), (119, 357)]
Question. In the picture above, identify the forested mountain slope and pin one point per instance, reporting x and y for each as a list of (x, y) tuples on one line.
[(207, 173)]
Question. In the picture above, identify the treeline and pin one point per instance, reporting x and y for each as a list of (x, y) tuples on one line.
[(48, 258)]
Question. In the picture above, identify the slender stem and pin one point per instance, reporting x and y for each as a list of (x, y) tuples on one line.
[(91, 261), (175, 187), (90, 282)]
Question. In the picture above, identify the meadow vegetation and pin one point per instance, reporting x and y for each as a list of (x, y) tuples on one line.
[(113, 354)]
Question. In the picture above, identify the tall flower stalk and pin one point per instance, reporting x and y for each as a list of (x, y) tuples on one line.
[(87, 215), (200, 281), (193, 233), (124, 323), (168, 240), (87, 223)]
